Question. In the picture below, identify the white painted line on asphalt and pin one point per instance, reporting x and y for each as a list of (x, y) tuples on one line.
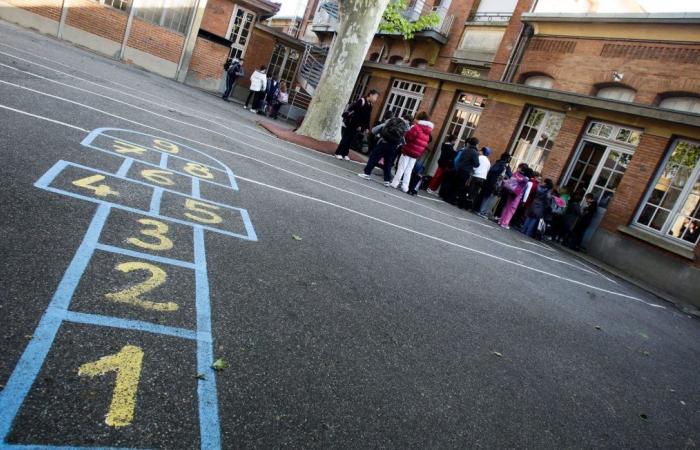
[(592, 269), (44, 118), (228, 128), (271, 165), (344, 208), (536, 244)]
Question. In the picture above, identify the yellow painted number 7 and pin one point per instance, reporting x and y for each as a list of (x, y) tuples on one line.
[(127, 364)]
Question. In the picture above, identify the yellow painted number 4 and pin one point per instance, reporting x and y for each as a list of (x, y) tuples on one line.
[(90, 183), (127, 365)]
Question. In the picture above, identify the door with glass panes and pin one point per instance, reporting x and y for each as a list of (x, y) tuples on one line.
[(242, 22), (601, 161), (463, 122)]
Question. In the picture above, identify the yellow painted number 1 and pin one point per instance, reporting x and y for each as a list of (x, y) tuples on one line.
[(127, 364)]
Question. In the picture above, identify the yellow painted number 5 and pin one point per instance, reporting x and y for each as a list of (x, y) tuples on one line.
[(127, 364), (203, 210), (158, 233)]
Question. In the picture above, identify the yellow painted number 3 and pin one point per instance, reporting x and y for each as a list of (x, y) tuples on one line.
[(127, 365), (157, 232)]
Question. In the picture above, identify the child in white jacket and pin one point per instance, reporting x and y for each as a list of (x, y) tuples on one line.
[(258, 83)]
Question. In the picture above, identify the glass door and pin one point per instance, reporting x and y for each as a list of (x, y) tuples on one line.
[(241, 25)]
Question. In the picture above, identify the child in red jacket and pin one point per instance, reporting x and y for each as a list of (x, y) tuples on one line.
[(417, 139)]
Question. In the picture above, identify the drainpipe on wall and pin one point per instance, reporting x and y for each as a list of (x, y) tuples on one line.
[(517, 55), (190, 40), (127, 30), (62, 21)]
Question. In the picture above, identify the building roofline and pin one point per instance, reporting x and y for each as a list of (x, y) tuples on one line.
[(674, 18), (280, 35), (646, 111)]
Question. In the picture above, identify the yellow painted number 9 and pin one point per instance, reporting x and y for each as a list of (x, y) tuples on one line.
[(127, 365), (165, 146), (132, 295), (198, 170), (158, 232), (203, 210)]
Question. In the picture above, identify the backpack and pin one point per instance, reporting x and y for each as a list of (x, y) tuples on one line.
[(556, 207), (234, 69), (227, 64), (514, 185), (347, 115), (393, 131)]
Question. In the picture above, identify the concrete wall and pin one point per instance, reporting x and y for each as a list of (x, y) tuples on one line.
[(648, 264)]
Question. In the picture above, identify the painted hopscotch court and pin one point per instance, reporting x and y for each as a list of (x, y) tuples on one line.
[(148, 231)]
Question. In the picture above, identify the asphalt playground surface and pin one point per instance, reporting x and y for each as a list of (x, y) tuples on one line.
[(349, 315)]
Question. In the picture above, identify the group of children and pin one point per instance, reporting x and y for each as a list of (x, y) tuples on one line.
[(267, 94), (466, 178)]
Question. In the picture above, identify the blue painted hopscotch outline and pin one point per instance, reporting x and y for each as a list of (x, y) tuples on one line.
[(32, 360), (90, 138)]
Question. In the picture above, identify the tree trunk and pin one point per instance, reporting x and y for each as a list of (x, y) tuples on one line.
[(359, 20)]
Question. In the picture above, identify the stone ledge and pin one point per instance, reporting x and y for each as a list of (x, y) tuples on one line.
[(658, 242)]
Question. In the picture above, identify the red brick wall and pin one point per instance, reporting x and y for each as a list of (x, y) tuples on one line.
[(208, 60), (46, 8), (509, 40), (217, 16), (564, 147), (257, 54), (382, 85), (578, 64), (101, 20), (155, 40), (637, 179), (497, 124)]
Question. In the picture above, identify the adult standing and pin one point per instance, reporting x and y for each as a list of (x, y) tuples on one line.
[(417, 140), (355, 121), (445, 163), (588, 211), (258, 83), (538, 207), (272, 90), (391, 135), (233, 72), (489, 193)]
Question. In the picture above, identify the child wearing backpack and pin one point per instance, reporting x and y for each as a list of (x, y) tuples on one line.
[(391, 135)]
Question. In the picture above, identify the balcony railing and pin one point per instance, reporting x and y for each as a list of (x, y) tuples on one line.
[(418, 8)]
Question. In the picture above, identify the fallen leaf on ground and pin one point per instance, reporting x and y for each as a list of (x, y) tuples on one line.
[(296, 237), (499, 354), (219, 364), (200, 376), (597, 327), (644, 417)]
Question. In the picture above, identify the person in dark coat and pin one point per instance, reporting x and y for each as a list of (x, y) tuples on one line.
[(272, 90), (355, 121), (445, 163), (489, 193), (234, 71), (538, 207), (589, 207), (466, 161)]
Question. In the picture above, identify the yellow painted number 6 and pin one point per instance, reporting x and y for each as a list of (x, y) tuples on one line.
[(158, 232), (127, 364), (158, 176), (203, 210), (132, 295)]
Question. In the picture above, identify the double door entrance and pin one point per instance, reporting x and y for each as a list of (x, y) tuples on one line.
[(601, 161)]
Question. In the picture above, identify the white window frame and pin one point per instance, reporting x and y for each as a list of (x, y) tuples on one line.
[(111, 3), (675, 103), (674, 212), (630, 94), (164, 13), (532, 148), (405, 90), (236, 45), (539, 81)]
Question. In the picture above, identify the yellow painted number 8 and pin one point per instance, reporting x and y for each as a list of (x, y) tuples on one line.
[(198, 170)]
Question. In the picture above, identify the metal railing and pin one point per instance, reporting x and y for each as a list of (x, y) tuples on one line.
[(490, 17)]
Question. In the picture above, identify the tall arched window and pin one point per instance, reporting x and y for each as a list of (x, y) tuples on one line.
[(539, 81), (621, 93), (687, 104)]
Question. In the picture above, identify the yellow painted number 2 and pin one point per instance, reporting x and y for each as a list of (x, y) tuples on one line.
[(127, 365), (132, 295), (198, 170), (101, 190), (158, 233), (203, 210)]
